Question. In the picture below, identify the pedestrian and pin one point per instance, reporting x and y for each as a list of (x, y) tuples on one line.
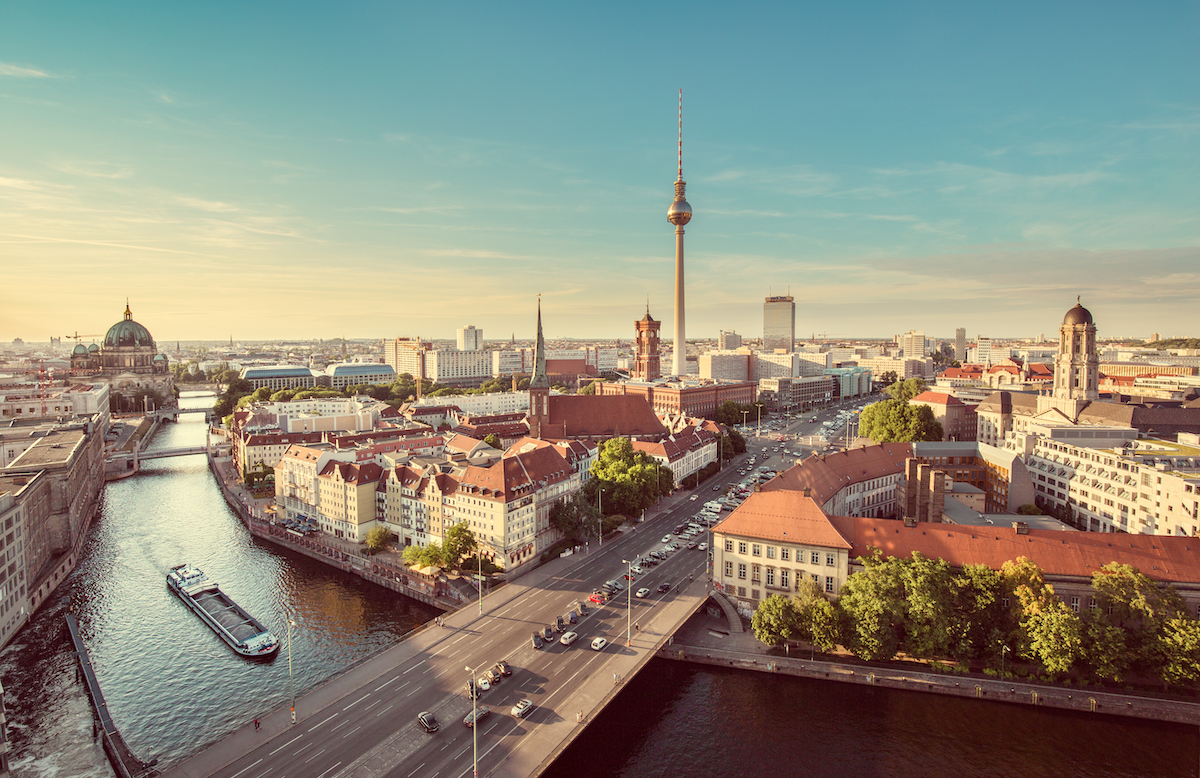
[(256, 725)]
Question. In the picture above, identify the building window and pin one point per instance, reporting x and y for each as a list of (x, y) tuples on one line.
[(741, 591), (729, 569), (829, 584), (783, 579), (770, 552), (816, 578), (785, 554), (742, 547), (742, 570), (829, 560), (1075, 605), (755, 573), (754, 594), (770, 576), (756, 550), (815, 558), (729, 545)]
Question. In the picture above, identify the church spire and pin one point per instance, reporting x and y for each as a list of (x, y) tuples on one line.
[(539, 380)]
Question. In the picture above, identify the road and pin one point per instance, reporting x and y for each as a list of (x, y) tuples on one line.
[(378, 716)]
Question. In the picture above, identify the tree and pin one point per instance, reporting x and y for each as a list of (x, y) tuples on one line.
[(629, 481), (1129, 601), (873, 604), (590, 389), (377, 539), (887, 378), (1055, 636), (493, 440), (1029, 509), (1180, 642), (907, 389), (459, 541), (423, 556), (984, 625), (774, 621), (893, 420), (573, 515), (737, 440), (929, 598)]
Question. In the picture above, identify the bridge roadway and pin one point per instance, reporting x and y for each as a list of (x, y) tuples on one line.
[(363, 722)]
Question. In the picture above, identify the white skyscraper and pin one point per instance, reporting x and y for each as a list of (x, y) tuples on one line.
[(779, 323), (470, 339)]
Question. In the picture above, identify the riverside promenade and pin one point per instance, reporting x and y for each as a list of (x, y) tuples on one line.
[(704, 639)]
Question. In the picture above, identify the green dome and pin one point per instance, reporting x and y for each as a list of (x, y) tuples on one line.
[(127, 333), (79, 349), (93, 349)]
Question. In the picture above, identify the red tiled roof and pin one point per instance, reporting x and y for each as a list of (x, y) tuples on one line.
[(782, 516), (827, 475), (352, 473), (584, 416), (937, 398), (1057, 553)]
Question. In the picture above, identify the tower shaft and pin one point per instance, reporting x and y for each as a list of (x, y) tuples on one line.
[(679, 365)]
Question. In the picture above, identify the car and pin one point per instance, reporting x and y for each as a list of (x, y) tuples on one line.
[(560, 625), (568, 638), (583, 609), (503, 668), (572, 618), (522, 708), (598, 644), (476, 715), (484, 684), (664, 588), (694, 496), (636, 569), (598, 598), (666, 539), (617, 585), (493, 676), (717, 488), (537, 640), (703, 547), (691, 545), (548, 634), (472, 690), (640, 593), (629, 576), (675, 546), (428, 721)]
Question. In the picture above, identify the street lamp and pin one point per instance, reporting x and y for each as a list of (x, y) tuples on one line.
[(629, 605), (759, 406), (479, 580), (474, 725), (745, 413), (291, 678), (1003, 651)]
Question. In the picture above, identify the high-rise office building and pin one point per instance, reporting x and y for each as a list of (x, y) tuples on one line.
[(470, 339), (728, 340), (779, 323), (913, 344), (960, 344)]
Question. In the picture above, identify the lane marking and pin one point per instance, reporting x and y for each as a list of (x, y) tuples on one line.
[(314, 756), (372, 705), (300, 750), (285, 745), (331, 769), (351, 705), (414, 667), (414, 772), (339, 726), (380, 686), (385, 710), (351, 732), (334, 716), (247, 767)]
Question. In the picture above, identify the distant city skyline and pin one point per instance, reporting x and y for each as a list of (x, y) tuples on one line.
[(390, 172)]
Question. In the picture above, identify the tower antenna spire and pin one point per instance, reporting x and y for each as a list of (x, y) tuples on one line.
[(680, 135)]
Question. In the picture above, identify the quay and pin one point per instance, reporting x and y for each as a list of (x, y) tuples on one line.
[(120, 755)]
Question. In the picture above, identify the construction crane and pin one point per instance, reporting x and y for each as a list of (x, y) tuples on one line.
[(826, 335)]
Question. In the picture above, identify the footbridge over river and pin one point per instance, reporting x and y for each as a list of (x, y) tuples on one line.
[(363, 722)]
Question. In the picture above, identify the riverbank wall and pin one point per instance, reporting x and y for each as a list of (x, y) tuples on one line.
[(1078, 699)]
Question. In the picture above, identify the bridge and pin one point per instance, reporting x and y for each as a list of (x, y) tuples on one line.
[(362, 723), (173, 414), (160, 453)]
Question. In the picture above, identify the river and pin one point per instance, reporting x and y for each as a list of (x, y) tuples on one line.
[(173, 686)]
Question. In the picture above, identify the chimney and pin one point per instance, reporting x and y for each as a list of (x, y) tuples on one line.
[(807, 492), (910, 521), (1022, 528)]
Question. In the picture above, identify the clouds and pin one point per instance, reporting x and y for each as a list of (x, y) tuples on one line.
[(19, 71)]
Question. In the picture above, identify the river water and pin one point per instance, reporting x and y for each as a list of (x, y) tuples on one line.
[(173, 686)]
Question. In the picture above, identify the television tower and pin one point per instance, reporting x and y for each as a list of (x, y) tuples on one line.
[(679, 214)]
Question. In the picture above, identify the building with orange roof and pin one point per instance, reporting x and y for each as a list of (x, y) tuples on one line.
[(956, 417)]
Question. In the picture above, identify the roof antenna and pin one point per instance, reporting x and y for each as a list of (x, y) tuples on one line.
[(680, 135)]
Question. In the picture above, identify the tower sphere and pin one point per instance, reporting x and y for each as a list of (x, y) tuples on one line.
[(680, 213)]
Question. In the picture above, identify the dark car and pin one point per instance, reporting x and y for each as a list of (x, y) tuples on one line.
[(503, 668), (475, 715), (583, 609), (472, 690), (716, 488), (537, 640), (548, 634), (428, 721), (572, 618), (493, 676), (664, 588), (560, 625)]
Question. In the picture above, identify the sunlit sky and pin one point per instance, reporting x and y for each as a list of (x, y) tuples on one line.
[(301, 170)]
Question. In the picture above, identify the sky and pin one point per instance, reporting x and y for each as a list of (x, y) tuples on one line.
[(361, 170)]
